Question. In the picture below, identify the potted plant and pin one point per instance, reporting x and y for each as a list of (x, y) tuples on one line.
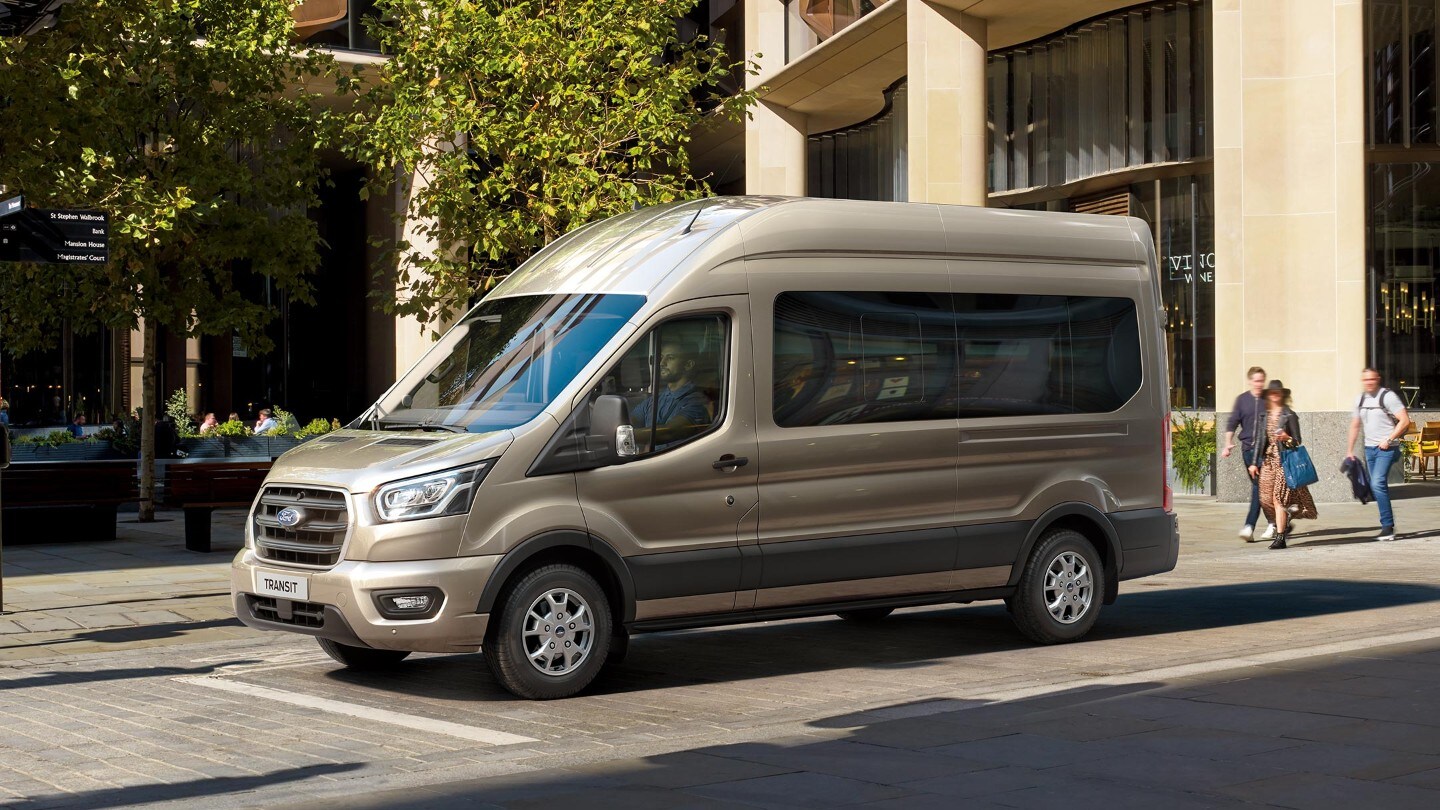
[(1192, 453)]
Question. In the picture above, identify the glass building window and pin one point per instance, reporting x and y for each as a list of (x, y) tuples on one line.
[(1403, 196), (1181, 215), (1111, 93), (1401, 71), (1404, 276), (865, 162)]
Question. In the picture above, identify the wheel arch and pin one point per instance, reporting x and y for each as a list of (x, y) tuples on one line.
[(1089, 522), (581, 549)]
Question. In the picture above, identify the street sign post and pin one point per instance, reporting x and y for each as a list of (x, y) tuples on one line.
[(49, 237), (55, 237)]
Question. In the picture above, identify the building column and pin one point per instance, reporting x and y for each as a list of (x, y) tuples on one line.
[(774, 135), (946, 96), (414, 337), (1290, 211)]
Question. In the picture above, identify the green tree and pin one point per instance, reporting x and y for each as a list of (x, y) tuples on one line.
[(189, 122), (512, 122)]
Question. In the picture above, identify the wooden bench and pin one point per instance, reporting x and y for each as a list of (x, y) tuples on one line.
[(203, 487), (86, 494)]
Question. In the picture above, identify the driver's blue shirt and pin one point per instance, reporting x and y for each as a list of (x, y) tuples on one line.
[(686, 401)]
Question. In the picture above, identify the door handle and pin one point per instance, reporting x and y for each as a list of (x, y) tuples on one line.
[(730, 463)]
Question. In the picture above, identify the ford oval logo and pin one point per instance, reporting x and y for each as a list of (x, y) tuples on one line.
[(289, 517)]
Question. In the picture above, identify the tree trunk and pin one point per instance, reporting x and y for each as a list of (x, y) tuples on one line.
[(149, 411)]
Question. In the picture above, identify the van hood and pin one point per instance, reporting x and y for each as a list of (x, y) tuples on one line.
[(360, 460)]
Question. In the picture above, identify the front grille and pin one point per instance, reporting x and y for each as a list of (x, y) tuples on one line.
[(285, 611), (319, 537)]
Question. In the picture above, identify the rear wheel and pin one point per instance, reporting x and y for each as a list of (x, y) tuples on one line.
[(553, 634), (865, 614), (1060, 592), (362, 658)]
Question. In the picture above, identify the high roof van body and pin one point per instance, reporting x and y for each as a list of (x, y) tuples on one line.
[(741, 409)]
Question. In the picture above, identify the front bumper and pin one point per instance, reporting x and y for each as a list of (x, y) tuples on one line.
[(340, 605)]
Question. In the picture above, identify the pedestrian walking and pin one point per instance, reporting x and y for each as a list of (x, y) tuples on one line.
[(1245, 420), (1381, 415), (1282, 504)]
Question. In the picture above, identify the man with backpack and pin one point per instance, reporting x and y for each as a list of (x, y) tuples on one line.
[(1381, 414)]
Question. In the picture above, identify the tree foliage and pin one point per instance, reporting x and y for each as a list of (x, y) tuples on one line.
[(182, 120), (514, 121), (189, 122)]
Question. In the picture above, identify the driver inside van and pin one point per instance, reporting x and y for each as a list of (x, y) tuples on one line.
[(682, 408)]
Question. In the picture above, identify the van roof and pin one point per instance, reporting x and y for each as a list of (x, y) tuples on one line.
[(636, 252)]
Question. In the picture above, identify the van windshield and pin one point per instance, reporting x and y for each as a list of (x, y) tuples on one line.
[(502, 364)]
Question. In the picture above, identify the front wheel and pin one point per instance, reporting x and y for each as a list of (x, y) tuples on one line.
[(362, 659), (1059, 595), (553, 634)]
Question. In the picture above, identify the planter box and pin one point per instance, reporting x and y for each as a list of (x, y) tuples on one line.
[(78, 451), (228, 447)]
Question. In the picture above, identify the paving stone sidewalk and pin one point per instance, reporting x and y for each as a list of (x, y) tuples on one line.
[(143, 587)]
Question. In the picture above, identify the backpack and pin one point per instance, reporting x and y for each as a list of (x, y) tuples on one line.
[(1379, 400)]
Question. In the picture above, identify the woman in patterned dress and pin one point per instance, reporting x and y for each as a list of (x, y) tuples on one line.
[(1282, 428)]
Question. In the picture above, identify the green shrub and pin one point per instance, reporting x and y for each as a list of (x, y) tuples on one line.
[(1192, 446), (285, 423), (233, 429), (54, 438), (317, 427), (178, 406)]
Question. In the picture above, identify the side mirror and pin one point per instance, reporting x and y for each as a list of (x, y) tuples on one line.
[(595, 435), (611, 433), (4, 447)]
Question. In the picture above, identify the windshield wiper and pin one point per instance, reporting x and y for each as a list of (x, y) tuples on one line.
[(421, 426)]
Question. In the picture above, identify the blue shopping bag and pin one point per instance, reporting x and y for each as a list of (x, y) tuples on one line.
[(1299, 469)]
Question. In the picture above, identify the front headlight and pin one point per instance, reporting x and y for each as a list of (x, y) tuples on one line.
[(444, 493)]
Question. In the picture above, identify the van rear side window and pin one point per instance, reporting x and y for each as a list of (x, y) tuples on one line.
[(859, 357)]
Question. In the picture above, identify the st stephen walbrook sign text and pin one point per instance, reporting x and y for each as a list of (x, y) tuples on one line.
[(52, 237)]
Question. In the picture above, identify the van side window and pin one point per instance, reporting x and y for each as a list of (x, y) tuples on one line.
[(674, 381), (852, 357), (855, 357), (1023, 355)]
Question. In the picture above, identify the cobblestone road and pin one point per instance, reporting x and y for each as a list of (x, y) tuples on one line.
[(1220, 660)]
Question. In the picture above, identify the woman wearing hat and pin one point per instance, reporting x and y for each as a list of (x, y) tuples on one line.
[(1282, 429)]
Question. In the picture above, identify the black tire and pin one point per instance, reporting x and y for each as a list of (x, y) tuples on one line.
[(506, 652), (362, 659), (1029, 607), (865, 615)]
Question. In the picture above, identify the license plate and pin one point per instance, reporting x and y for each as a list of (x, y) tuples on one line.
[(283, 586)]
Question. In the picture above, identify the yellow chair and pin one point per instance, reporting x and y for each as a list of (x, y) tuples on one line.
[(1427, 453)]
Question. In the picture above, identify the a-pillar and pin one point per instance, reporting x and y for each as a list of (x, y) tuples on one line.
[(774, 135), (1289, 115), (946, 98)]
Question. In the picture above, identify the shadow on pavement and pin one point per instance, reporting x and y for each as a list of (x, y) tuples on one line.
[(908, 640), (69, 677), (1332, 731), (122, 635), (178, 791)]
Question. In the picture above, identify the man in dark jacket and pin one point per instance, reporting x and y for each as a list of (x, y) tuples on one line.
[(1247, 417)]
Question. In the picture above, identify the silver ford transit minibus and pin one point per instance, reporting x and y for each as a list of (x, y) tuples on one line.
[(741, 409)]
